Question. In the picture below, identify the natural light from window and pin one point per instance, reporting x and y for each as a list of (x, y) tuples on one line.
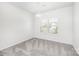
[(49, 25)]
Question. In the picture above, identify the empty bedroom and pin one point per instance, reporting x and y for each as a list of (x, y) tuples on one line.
[(39, 29)]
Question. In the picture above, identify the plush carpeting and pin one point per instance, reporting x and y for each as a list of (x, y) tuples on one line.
[(39, 47)]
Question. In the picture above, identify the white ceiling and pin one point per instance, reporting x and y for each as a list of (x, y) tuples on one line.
[(36, 7)]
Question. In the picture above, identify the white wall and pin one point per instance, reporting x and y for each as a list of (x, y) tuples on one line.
[(64, 25), (76, 27), (15, 26)]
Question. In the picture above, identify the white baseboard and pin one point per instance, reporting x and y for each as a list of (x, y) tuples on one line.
[(54, 39), (20, 41)]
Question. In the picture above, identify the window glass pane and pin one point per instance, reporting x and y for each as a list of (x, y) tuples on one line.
[(53, 30), (49, 25), (53, 26), (44, 26)]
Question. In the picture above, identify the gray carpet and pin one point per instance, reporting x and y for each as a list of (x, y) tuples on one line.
[(39, 47)]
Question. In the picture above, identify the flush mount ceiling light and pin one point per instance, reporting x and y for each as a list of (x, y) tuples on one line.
[(38, 15)]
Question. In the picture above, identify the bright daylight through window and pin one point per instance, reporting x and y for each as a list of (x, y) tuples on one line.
[(49, 25)]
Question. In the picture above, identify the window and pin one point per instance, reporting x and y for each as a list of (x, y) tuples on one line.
[(49, 26)]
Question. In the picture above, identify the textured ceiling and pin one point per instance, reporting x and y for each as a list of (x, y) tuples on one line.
[(37, 7)]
